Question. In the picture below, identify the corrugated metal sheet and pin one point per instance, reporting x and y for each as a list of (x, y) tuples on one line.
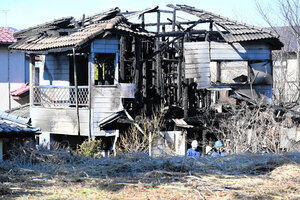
[(197, 63), (237, 51), (107, 45)]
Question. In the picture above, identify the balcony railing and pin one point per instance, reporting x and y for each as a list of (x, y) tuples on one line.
[(59, 96)]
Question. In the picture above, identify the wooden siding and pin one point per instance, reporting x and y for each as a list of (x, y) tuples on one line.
[(197, 62), (237, 51), (59, 120), (106, 100), (54, 70), (106, 45)]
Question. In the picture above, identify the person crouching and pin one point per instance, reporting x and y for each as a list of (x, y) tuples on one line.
[(193, 152), (218, 149)]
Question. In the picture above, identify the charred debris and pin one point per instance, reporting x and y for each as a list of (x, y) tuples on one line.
[(185, 61)]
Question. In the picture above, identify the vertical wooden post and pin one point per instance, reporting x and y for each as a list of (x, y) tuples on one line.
[(158, 22), (143, 21), (174, 20), (204, 132), (83, 20), (144, 77), (138, 75), (116, 75), (185, 86), (218, 72), (32, 79), (122, 58), (150, 143), (163, 30), (185, 99), (158, 63), (1, 149), (91, 83), (158, 72), (76, 92), (179, 75), (8, 79)]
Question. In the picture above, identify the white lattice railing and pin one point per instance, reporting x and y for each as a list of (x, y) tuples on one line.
[(59, 96)]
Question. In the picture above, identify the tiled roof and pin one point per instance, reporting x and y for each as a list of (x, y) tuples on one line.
[(234, 31), (62, 34), (14, 130), (6, 35), (15, 126)]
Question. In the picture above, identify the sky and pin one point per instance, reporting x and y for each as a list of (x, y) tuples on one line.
[(22, 14)]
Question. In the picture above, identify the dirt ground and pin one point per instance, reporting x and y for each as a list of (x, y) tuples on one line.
[(232, 177)]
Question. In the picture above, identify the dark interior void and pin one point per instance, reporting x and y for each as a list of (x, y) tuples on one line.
[(11, 146), (68, 140), (82, 70), (72, 141), (104, 68)]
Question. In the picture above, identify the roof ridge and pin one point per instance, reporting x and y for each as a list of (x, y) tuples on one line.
[(226, 18)]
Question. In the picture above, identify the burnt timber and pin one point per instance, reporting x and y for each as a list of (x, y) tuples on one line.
[(97, 68)]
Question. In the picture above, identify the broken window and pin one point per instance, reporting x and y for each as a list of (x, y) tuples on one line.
[(104, 68)]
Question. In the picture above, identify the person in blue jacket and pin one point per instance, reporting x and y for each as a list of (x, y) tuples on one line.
[(218, 149), (193, 152)]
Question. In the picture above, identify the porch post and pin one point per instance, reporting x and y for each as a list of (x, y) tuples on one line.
[(91, 83), (116, 78), (32, 78), (76, 92)]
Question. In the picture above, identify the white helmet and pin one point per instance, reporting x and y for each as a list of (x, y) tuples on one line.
[(194, 144)]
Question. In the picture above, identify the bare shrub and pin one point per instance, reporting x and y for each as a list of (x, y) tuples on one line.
[(247, 129), (28, 154), (139, 136)]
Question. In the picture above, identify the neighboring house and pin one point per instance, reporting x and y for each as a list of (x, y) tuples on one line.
[(122, 70), (14, 67), (286, 73)]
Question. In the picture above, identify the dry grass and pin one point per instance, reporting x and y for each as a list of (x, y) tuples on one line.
[(138, 176)]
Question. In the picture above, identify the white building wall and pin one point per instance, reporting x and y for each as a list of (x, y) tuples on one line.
[(12, 76), (286, 83)]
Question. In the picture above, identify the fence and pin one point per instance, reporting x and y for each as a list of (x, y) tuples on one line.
[(59, 96)]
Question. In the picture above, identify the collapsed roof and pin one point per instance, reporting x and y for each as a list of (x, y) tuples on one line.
[(67, 33), (234, 31)]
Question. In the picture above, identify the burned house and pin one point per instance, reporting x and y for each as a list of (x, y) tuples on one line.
[(96, 74)]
